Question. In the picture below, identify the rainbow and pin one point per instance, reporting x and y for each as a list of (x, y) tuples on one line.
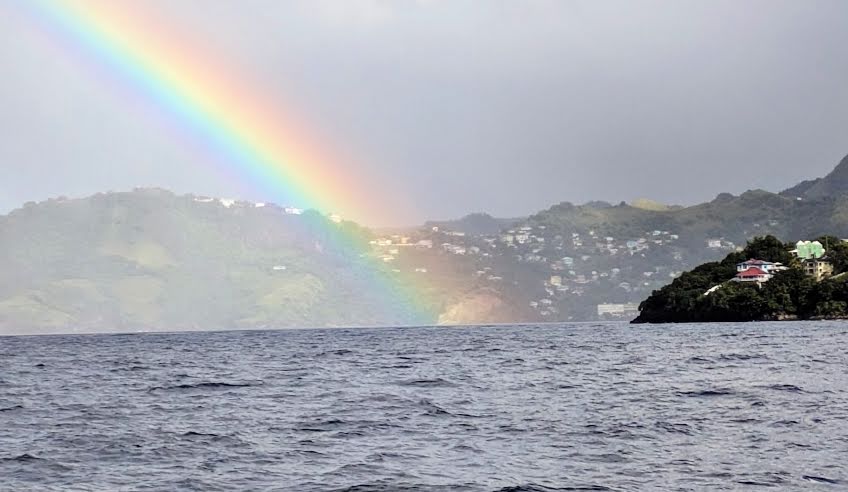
[(233, 120)]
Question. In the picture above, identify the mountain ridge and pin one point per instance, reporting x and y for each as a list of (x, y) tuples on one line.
[(151, 259)]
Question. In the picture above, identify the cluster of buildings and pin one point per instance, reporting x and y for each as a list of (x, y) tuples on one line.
[(618, 311), (554, 270), (758, 271), (813, 259), (557, 269), (590, 242), (720, 243), (811, 254), (231, 202), (388, 248)]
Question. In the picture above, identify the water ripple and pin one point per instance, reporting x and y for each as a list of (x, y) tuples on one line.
[(477, 409)]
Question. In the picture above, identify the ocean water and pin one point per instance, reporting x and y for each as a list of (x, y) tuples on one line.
[(505, 408)]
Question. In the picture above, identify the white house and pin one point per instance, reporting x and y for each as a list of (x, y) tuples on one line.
[(753, 274), (766, 266)]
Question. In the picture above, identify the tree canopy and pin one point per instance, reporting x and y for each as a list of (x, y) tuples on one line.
[(789, 294)]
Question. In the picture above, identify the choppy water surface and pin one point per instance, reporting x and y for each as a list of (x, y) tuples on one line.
[(572, 407)]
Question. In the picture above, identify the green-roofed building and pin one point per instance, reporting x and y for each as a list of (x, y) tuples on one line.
[(808, 250)]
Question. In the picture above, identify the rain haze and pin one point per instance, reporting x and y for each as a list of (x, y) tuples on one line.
[(459, 106), (242, 244)]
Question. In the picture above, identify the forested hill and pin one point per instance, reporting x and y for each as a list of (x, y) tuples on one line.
[(150, 259), (707, 294)]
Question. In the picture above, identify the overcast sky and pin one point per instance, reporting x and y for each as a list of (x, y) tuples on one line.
[(499, 106)]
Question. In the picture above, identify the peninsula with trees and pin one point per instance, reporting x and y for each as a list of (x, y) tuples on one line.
[(767, 280)]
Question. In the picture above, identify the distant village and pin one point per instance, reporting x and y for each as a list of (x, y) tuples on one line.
[(578, 275), (575, 276)]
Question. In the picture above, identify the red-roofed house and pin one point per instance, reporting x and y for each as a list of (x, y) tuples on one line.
[(753, 274), (766, 266)]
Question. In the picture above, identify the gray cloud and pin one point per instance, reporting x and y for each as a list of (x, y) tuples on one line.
[(499, 106)]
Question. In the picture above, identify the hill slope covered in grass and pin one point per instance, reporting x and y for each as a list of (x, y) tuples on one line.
[(149, 259)]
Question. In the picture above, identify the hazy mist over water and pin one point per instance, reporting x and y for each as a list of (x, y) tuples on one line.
[(509, 408)]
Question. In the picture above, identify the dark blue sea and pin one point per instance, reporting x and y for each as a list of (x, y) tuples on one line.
[(503, 408)]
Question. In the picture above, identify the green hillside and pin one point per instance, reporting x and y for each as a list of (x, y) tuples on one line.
[(152, 260)]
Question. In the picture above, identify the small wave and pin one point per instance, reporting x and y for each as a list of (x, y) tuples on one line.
[(383, 456), (129, 368), (23, 458), (675, 428), (509, 362), (741, 356), (542, 488), (701, 360), (432, 409), (209, 437), (756, 483), (31, 460), (812, 478), (606, 458), (799, 445), (395, 487), (357, 468), (427, 383), (465, 448), (349, 434), (13, 407), (320, 426), (784, 423), (334, 352), (209, 385), (785, 387), (191, 434), (707, 393)]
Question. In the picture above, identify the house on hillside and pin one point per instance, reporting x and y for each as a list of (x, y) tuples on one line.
[(818, 268), (807, 250), (814, 260), (753, 274), (766, 266)]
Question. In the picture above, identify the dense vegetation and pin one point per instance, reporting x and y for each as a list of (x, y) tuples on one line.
[(790, 294)]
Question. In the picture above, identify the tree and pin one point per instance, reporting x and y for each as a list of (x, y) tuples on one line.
[(836, 251), (769, 248)]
